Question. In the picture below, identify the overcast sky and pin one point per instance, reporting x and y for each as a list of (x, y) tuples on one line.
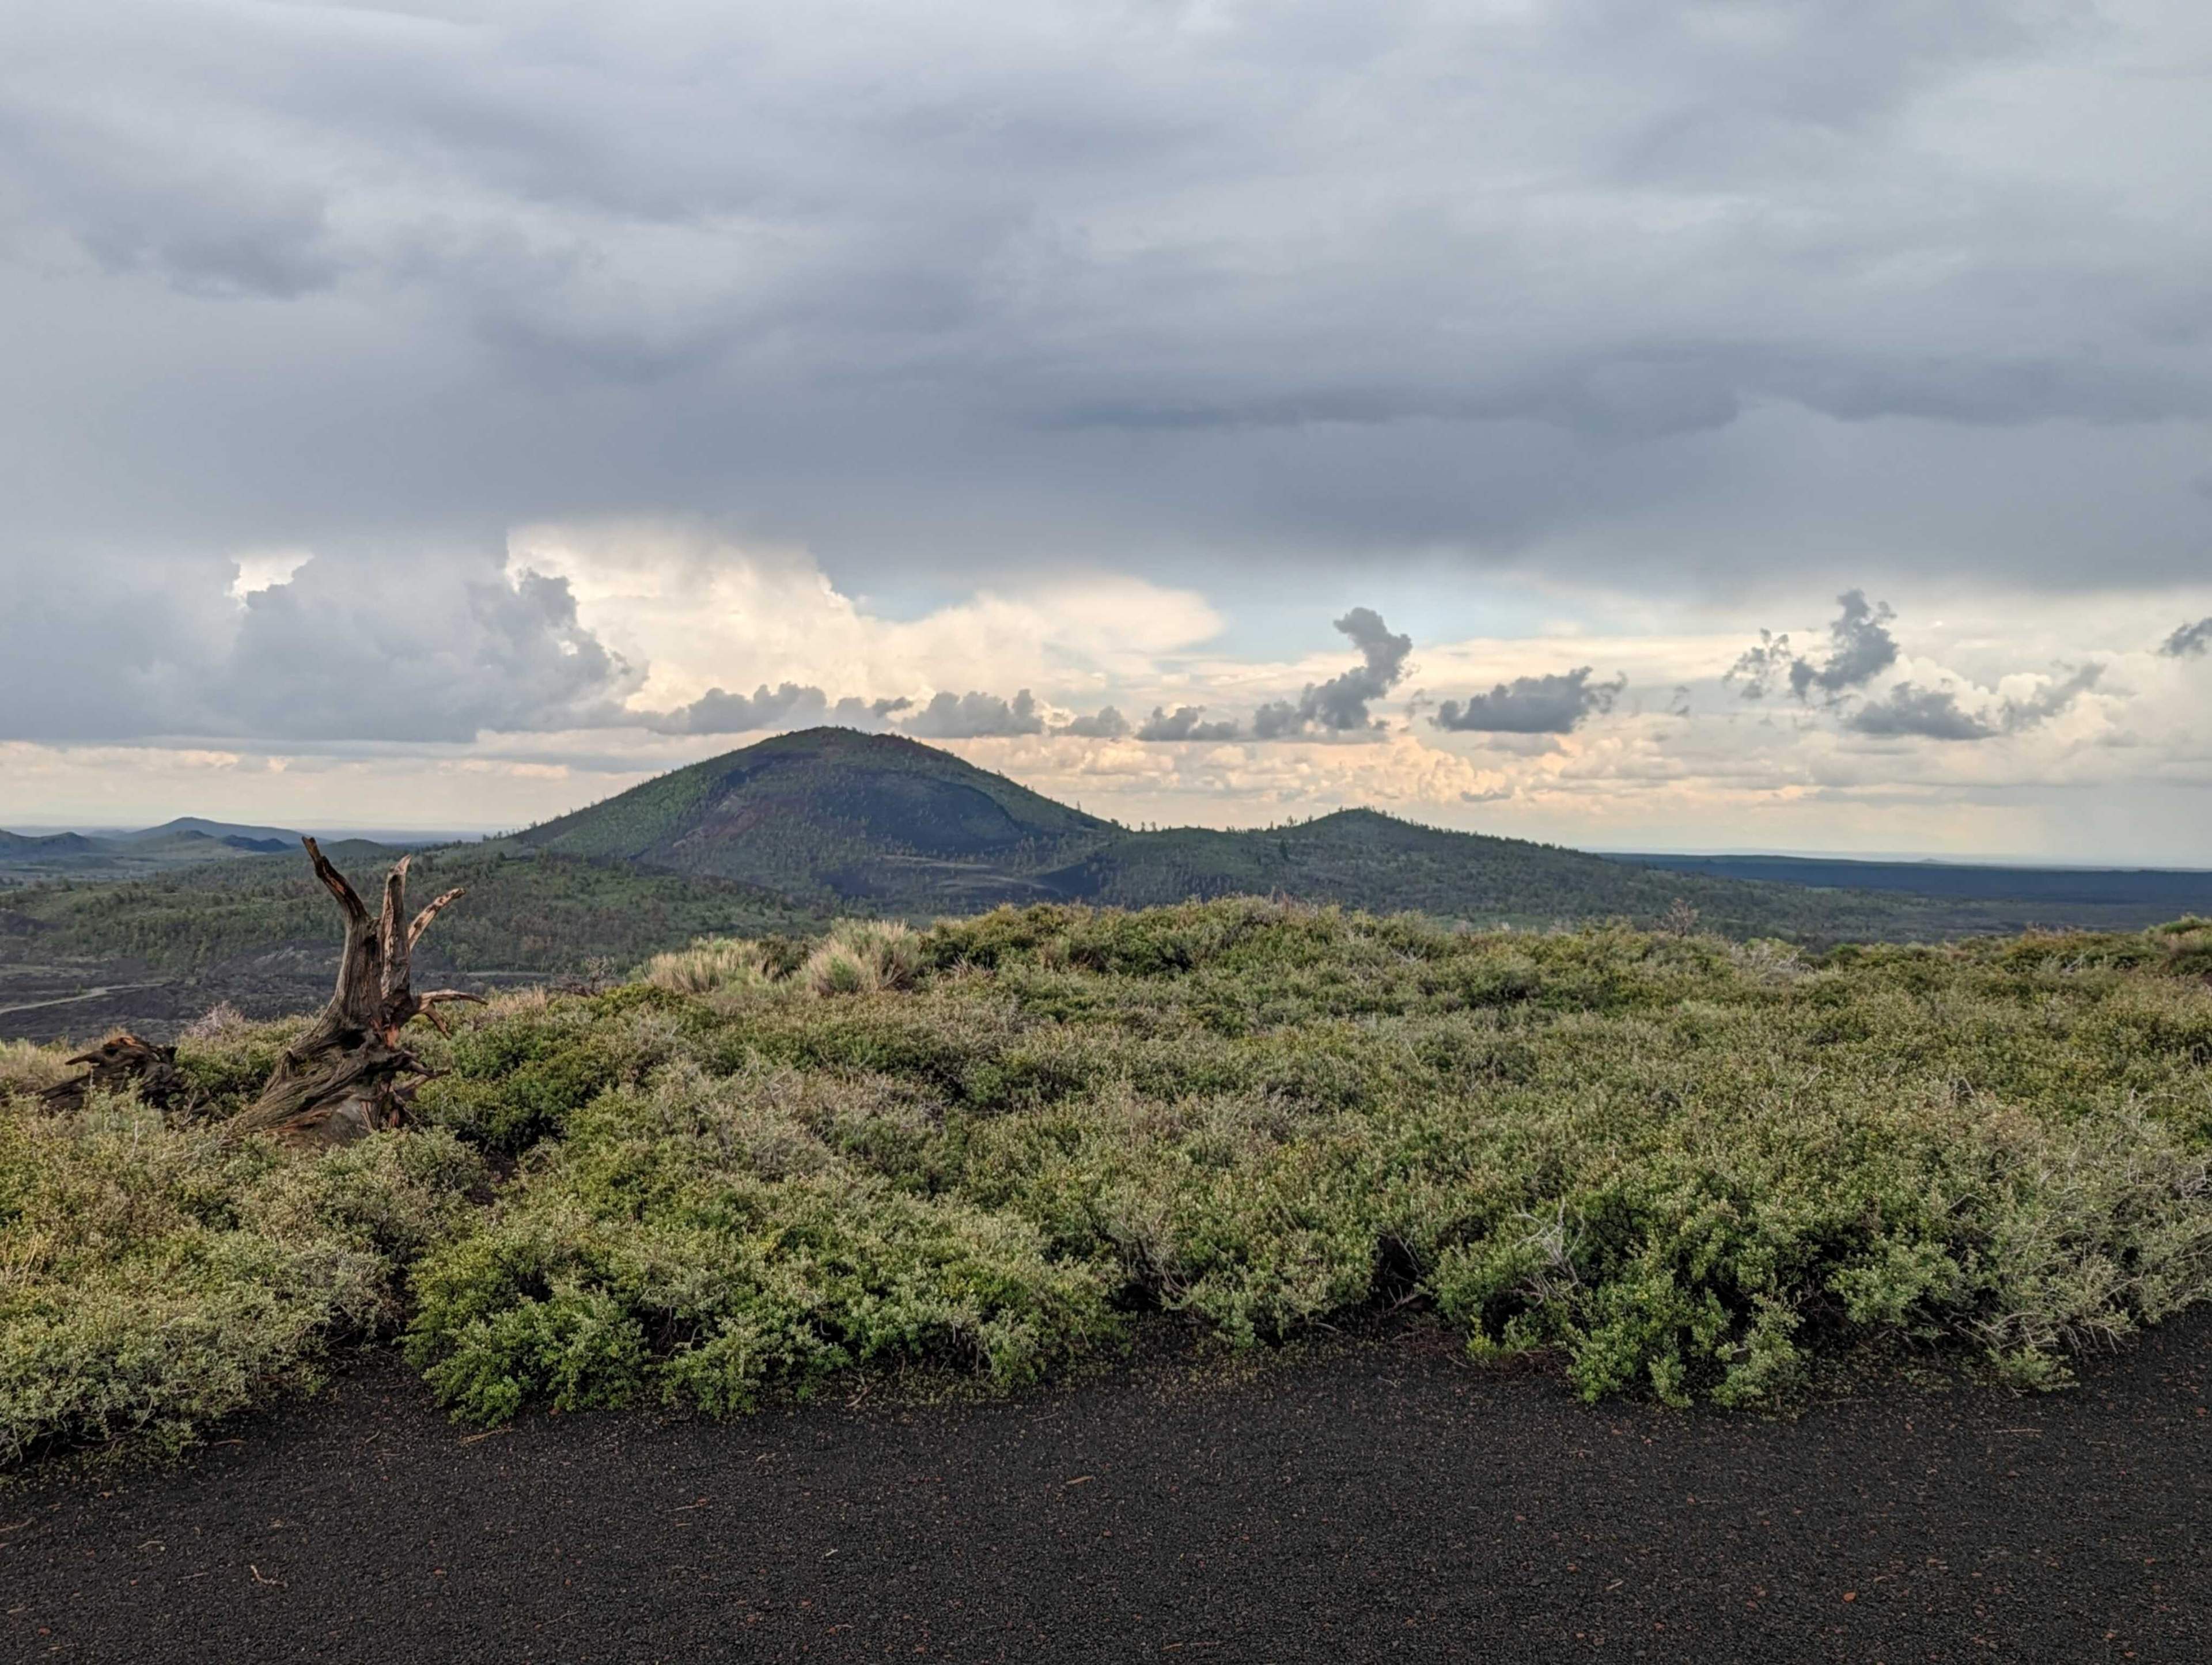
[(1763, 423)]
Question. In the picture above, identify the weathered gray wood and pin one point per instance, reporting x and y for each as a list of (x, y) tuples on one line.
[(345, 1076), (119, 1061)]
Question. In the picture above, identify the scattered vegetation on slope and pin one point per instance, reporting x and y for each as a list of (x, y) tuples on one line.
[(529, 911), (1689, 1167)]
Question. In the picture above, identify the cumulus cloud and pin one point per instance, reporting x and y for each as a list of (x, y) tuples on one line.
[(691, 600), (1183, 723), (346, 647), (786, 705), (1932, 714), (321, 657), (1860, 648), (950, 716), (1937, 714), (1340, 704), (1105, 724), (2054, 699), (2189, 639), (1554, 704)]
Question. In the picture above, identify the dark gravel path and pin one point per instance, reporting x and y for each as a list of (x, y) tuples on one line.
[(1387, 1503)]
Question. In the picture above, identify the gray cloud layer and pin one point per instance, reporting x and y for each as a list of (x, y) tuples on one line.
[(1932, 714), (947, 716), (1155, 286), (1861, 646), (1554, 704)]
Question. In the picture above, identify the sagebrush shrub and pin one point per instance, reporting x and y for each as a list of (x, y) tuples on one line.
[(153, 1281), (1687, 1169), (863, 956), (710, 964)]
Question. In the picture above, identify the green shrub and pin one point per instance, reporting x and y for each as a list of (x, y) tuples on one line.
[(1688, 1168), (863, 956), (513, 1079), (710, 964), (702, 1240), (153, 1281)]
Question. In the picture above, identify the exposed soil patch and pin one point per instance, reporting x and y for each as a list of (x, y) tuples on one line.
[(1387, 1502)]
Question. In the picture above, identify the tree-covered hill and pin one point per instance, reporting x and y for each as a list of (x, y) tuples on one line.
[(831, 814), (1362, 859)]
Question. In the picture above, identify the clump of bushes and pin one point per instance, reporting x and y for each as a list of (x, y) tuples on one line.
[(863, 956), (153, 1281), (710, 964), (858, 956), (26, 1068), (1686, 1169), (703, 1238)]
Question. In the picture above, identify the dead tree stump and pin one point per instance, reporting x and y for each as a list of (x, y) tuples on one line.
[(119, 1061), (345, 1077)]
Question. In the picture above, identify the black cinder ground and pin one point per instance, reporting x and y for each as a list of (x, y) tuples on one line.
[(1386, 1503)]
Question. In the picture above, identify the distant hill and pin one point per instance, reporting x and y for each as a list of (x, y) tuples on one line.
[(832, 815), (261, 840), (187, 841), (29, 847), (1363, 859), (840, 820)]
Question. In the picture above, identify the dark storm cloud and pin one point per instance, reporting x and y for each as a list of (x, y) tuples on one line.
[(1932, 714), (942, 284), (1183, 723), (975, 717), (1340, 704), (1555, 704), (1105, 724), (2187, 640), (1860, 648), (1935, 714)]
